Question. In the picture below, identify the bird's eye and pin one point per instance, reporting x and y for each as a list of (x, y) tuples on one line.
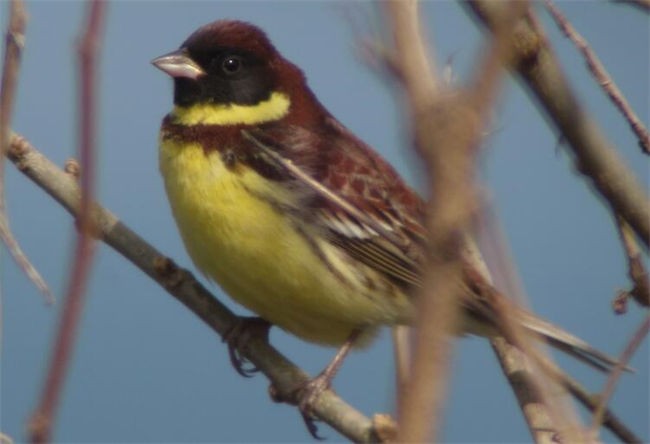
[(231, 64)]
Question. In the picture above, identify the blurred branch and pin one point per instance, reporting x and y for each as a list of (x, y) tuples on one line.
[(420, 402), (602, 77), (447, 127), (636, 269), (545, 416), (402, 353), (513, 360), (643, 5), (14, 42), (595, 157), (42, 421), (180, 283), (515, 366), (591, 402), (529, 371), (416, 61), (616, 372)]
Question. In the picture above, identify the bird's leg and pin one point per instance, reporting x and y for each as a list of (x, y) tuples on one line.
[(309, 392), (238, 336)]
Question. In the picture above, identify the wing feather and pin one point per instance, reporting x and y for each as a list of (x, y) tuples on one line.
[(366, 209), (364, 228)]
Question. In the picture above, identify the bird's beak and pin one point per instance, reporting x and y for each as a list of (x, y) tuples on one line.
[(178, 64)]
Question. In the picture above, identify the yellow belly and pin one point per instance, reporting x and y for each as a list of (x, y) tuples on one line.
[(255, 253)]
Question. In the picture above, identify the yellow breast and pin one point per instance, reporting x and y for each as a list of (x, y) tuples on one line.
[(260, 258)]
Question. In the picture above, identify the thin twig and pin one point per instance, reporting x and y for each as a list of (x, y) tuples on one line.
[(517, 370), (616, 372), (421, 399), (595, 157), (602, 77), (416, 60), (447, 128), (540, 417), (14, 42), (544, 415), (514, 364), (610, 420), (43, 419), (402, 353), (283, 374), (383, 61), (636, 269), (528, 370), (643, 5)]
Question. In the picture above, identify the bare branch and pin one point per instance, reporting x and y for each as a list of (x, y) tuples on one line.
[(602, 77), (636, 268), (21, 259), (416, 59), (385, 428), (615, 374), (43, 418), (591, 402), (5, 439), (643, 5), (447, 130), (14, 42), (515, 366), (542, 401), (283, 374), (595, 157), (402, 352), (421, 398), (610, 420)]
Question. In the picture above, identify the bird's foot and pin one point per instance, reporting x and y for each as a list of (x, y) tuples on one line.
[(307, 395), (238, 337), (304, 395)]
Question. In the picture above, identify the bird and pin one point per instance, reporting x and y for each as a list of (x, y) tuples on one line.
[(290, 213)]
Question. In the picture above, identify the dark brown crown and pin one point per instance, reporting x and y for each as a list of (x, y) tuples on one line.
[(232, 34)]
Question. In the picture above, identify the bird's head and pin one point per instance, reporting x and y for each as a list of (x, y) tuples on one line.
[(228, 72)]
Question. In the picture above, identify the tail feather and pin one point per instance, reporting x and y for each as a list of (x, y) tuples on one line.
[(568, 343)]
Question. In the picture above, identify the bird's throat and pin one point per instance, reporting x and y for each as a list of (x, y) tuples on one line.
[(274, 108)]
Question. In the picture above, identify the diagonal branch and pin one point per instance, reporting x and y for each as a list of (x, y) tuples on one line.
[(594, 155), (180, 283), (14, 42), (42, 421), (615, 374), (643, 5), (421, 397), (529, 372), (591, 402), (636, 270), (602, 77), (446, 127)]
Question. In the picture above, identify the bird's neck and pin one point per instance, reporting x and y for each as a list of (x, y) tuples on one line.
[(274, 108)]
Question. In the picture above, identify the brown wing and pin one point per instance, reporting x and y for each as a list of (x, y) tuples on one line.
[(371, 214), (358, 198)]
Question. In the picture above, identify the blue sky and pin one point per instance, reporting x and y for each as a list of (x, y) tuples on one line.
[(146, 370)]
